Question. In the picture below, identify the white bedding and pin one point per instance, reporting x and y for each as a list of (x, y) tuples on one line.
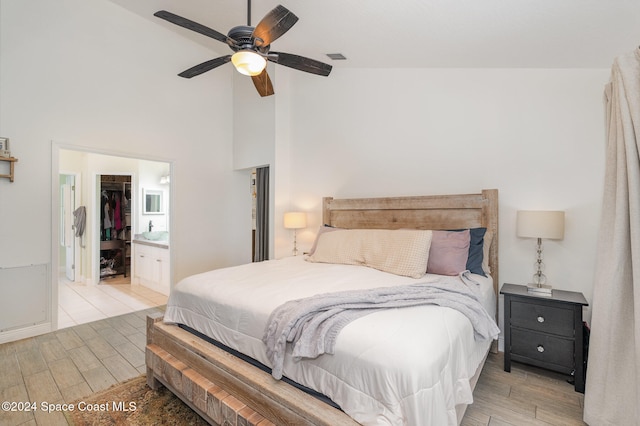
[(408, 366)]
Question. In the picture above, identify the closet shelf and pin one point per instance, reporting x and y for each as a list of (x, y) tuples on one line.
[(108, 270), (11, 161)]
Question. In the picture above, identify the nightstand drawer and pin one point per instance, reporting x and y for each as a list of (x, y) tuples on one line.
[(552, 351), (545, 319)]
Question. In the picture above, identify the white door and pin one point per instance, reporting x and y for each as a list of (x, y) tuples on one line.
[(68, 235)]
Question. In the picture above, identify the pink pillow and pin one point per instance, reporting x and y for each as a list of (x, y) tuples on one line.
[(449, 252)]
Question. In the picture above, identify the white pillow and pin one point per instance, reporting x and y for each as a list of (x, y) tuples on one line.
[(322, 230), (401, 252)]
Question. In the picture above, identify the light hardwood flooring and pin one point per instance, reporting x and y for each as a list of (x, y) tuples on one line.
[(69, 364), (75, 362), (525, 396)]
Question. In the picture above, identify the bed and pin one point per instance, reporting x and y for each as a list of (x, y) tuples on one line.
[(371, 386)]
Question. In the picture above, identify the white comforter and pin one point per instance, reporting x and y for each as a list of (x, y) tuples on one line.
[(408, 366)]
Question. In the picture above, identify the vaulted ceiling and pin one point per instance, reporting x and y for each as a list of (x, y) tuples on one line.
[(429, 33)]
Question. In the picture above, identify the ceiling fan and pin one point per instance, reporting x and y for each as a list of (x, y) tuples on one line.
[(252, 47)]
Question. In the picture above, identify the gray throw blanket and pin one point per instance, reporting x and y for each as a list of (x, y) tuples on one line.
[(312, 324)]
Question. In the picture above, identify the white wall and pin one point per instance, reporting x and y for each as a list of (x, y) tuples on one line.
[(254, 136), (92, 75), (536, 135), (253, 123), (261, 138)]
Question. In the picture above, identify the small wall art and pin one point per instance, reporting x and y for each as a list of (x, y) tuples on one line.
[(4, 147)]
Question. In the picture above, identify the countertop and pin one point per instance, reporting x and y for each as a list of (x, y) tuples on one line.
[(139, 239)]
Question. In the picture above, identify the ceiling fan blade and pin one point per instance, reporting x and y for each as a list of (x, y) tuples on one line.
[(194, 26), (273, 25), (263, 83), (300, 63), (205, 66)]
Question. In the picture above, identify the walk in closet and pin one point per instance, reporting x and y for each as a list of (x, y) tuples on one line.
[(115, 225)]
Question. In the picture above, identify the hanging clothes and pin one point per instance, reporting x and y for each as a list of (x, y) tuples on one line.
[(79, 222), (117, 213), (107, 216), (103, 201)]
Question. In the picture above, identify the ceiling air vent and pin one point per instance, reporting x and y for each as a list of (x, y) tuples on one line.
[(336, 56)]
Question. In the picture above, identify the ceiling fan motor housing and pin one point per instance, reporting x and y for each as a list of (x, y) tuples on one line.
[(243, 34)]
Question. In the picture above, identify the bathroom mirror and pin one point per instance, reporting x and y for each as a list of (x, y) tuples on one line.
[(153, 202)]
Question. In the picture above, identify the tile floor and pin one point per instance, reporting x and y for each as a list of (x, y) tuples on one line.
[(80, 303)]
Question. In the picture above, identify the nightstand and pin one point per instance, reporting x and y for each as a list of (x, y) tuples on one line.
[(545, 331)]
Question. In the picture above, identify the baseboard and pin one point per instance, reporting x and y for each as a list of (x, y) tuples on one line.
[(23, 333)]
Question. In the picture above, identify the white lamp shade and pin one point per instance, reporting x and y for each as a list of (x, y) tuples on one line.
[(248, 62), (295, 220), (540, 224)]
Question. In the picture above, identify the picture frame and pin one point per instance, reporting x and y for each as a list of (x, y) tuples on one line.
[(4, 147)]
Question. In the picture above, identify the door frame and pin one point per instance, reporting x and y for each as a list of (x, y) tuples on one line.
[(56, 147), (77, 191)]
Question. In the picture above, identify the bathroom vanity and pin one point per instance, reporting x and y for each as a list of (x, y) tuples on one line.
[(151, 265)]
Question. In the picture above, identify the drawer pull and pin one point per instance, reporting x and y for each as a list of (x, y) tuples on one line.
[(540, 348), (540, 318)]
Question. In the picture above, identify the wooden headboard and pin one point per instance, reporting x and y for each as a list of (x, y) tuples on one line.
[(433, 212)]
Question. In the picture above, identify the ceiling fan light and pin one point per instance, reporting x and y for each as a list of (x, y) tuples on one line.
[(248, 62)]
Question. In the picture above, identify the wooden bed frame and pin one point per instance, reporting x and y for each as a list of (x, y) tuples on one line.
[(227, 391)]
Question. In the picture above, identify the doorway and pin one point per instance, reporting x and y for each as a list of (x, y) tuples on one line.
[(85, 298), (260, 188), (114, 227)]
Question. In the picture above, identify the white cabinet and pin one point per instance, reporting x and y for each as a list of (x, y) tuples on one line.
[(151, 267)]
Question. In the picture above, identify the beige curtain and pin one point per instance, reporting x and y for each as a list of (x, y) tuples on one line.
[(612, 395)]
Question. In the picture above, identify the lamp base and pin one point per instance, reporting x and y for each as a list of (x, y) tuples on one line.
[(541, 290)]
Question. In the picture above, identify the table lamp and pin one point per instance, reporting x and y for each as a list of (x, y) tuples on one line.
[(295, 220), (540, 224)]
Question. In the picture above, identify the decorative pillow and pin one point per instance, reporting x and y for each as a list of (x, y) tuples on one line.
[(449, 252), (476, 249), (322, 230), (401, 252)]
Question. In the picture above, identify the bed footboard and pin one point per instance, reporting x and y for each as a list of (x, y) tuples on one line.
[(223, 389)]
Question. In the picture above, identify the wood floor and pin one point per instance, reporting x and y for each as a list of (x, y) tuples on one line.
[(69, 364), (526, 396), (75, 362)]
